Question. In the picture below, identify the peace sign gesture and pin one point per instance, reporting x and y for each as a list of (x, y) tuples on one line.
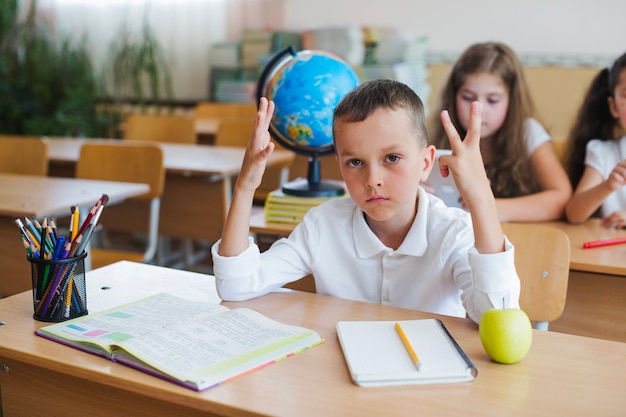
[(466, 163), (466, 166)]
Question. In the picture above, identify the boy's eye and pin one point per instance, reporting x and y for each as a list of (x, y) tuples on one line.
[(392, 158), (353, 162)]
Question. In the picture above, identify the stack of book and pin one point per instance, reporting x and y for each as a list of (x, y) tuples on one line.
[(343, 41), (397, 56), (286, 208), (254, 45)]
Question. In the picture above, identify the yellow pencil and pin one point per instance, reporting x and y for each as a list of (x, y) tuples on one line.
[(68, 297), (74, 222), (408, 347)]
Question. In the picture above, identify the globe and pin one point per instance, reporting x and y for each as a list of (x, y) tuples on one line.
[(306, 86)]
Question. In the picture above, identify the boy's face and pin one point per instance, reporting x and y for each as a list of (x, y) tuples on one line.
[(382, 164), (491, 92)]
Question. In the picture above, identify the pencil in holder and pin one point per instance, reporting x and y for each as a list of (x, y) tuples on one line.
[(59, 291)]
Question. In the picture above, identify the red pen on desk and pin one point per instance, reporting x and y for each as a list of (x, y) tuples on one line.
[(596, 243)]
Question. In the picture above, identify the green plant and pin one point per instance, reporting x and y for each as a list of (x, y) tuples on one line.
[(140, 71), (47, 86)]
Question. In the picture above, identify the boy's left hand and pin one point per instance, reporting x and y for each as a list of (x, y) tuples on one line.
[(466, 163), (258, 149)]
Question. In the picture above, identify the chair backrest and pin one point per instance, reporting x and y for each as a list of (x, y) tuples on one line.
[(234, 132), (225, 111), (27, 155), (124, 161), (542, 256), (160, 128)]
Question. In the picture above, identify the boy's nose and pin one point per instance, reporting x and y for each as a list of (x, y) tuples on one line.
[(374, 179)]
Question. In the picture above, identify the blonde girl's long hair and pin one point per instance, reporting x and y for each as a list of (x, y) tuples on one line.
[(510, 172)]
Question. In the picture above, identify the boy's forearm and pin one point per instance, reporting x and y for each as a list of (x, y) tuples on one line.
[(488, 235), (237, 225)]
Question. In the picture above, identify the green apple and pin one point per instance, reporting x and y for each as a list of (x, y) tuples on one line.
[(505, 334)]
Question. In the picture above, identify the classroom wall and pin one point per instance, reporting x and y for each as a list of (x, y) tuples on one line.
[(563, 43), (530, 26)]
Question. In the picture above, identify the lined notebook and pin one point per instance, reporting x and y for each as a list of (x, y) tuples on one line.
[(376, 355)]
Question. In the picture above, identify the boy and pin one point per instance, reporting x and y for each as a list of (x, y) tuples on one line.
[(390, 242)]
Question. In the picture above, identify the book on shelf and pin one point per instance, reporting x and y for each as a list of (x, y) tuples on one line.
[(225, 55), (281, 207), (254, 45), (377, 356), (195, 344)]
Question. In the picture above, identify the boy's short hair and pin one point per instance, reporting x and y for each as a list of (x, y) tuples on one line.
[(370, 96)]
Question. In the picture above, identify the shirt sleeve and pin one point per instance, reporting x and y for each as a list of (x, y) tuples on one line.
[(595, 157), (536, 136), (494, 282), (253, 274), (235, 275)]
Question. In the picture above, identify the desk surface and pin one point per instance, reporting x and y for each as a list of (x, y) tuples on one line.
[(25, 195), (606, 259), (31, 196), (562, 374), (188, 159)]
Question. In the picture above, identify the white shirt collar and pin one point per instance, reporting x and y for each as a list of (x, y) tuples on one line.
[(367, 243)]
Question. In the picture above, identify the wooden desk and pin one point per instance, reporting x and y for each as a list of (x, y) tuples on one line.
[(32, 196), (605, 259), (260, 226), (198, 185), (562, 374)]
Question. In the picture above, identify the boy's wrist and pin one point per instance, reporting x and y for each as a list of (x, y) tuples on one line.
[(244, 191)]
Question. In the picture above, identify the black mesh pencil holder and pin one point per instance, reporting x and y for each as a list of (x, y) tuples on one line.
[(59, 291)]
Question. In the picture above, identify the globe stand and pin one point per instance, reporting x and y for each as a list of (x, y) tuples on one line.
[(313, 186)]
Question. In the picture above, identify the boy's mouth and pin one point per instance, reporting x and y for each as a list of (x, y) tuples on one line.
[(376, 198)]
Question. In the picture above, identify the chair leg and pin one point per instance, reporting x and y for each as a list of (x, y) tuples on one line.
[(153, 230)]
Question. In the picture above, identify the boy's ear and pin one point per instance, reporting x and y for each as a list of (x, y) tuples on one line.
[(428, 155)]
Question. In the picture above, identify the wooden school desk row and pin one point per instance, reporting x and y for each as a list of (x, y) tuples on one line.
[(35, 196), (198, 184), (562, 374)]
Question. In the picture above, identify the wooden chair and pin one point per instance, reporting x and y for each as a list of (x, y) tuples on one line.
[(236, 132), (127, 162), (542, 256), (225, 111), (160, 128), (27, 155)]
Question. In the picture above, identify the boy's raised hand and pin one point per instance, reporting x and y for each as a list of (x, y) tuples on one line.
[(466, 166), (466, 163), (258, 150), (237, 226)]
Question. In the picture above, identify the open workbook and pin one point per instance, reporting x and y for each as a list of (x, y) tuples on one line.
[(195, 344), (377, 356)]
